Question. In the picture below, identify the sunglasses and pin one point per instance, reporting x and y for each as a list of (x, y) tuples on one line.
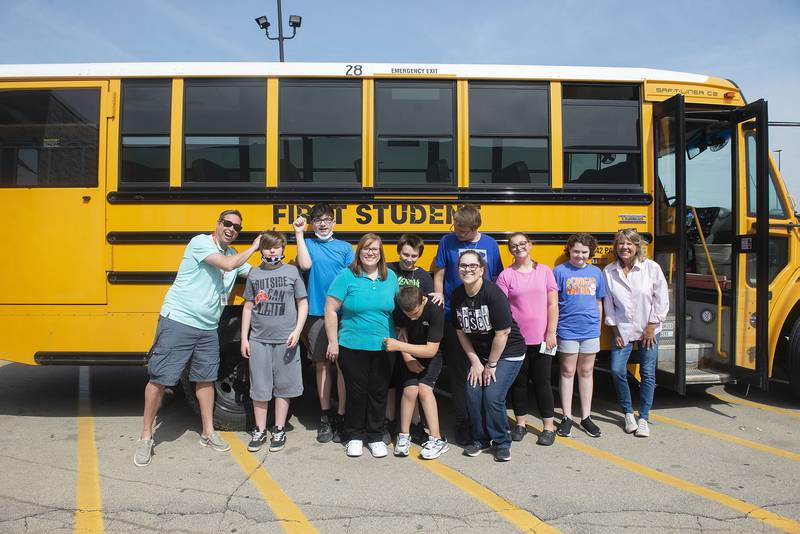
[(228, 224)]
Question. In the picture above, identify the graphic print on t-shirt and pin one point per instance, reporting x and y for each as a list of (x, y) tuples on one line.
[(474, 320), (581, 286), (272, 295)]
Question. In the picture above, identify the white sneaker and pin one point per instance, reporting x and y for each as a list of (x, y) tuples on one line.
[(402, 445), (630, 423), (643, 430), (378, 449), (434, 448), (355, 447)]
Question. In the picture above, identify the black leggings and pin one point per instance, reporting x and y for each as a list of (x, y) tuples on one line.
[(536, 367)]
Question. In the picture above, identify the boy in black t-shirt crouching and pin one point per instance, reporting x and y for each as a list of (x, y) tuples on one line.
[(420, 325)]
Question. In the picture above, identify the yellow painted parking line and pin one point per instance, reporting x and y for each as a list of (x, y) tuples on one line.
[(727, 437), (724, 397), (289, 515), (520, 518), (88, 502), (748, 509)]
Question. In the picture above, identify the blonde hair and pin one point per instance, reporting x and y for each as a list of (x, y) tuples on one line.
[(468, 215), (629, 234)]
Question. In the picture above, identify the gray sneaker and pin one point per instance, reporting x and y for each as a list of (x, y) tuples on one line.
[(144, 452), (215, 441)]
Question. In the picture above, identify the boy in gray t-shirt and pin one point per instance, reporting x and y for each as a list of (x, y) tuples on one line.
[(275, 310)]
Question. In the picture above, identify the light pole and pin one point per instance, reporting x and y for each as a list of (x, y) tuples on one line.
[(294, 23), (778, 152)]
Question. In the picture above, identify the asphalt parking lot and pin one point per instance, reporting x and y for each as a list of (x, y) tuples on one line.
[(716, 461)]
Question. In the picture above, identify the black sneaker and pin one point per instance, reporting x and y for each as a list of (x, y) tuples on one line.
[(338, 429), (502, 455), (278, 439), (462, 434), (518, 434), (564, 428), (476, 448), (546, 438), (590, 428), (259, 437), (325, 430)]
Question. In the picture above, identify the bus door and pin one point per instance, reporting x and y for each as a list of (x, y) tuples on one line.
[(52, 189), (752, 245), (670, 236)]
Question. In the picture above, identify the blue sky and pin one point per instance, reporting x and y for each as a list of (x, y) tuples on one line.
[(755, 44)]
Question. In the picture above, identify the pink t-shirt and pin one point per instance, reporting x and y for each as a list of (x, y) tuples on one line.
[(527, 294)]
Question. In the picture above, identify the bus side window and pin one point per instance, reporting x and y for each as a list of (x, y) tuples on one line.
[(508, 134), (49, 137), (144, 133), (414, 125), (320, 132), (225, 132), (602, 147)]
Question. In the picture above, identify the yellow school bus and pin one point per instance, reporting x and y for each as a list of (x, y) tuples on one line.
[(107, 170)]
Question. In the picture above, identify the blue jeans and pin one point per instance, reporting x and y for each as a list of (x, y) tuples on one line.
[(647, 370), (486, 406)]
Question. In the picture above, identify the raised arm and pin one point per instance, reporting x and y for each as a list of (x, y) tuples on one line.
[(303, 257), (231, 263)]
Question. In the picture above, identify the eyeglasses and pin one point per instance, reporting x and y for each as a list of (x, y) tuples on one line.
[(228, 224), (371, 250), (517, 246), (323, 220), (469, 266)]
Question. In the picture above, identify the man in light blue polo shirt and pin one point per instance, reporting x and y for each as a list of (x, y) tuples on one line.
[(187, 327)]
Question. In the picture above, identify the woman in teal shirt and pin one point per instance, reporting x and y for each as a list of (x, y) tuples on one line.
[(358, 316)]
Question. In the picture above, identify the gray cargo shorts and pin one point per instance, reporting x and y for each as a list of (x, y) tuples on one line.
[(177, 345)]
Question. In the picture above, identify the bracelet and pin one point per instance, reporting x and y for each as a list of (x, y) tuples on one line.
[(490, 366)]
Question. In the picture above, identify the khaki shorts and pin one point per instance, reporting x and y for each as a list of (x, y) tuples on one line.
[(315, 339)]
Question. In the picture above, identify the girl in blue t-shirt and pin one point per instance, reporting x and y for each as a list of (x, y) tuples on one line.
[(581, 288)]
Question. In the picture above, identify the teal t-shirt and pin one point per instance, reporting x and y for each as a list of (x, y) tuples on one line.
[(365, 318), (194, 297)]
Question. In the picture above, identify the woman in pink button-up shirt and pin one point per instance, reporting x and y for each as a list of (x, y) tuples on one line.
[(636, 303)]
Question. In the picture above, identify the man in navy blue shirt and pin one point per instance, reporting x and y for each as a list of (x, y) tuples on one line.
[(465, 236)]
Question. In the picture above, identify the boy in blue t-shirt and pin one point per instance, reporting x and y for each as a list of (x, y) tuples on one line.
[(465, 236), (322, 257), (581, 288)]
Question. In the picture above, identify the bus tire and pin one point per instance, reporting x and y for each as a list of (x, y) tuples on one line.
[(794, 357), (233, 409)]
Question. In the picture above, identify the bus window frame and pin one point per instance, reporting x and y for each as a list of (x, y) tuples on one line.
[(615, 188), (217, 185), (137, 185), (321, 186), (425, 186), (509, 186), (103, 127)]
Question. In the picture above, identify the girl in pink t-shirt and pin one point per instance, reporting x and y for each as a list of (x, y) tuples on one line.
[(533, 295)]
